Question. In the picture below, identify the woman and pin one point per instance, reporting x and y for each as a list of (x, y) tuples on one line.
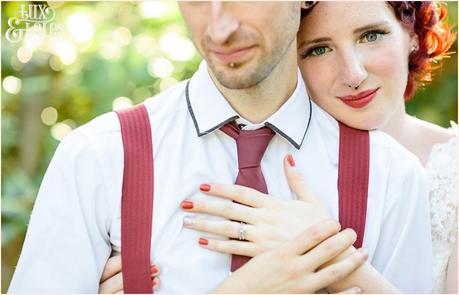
[(360, 69), (363, 79)]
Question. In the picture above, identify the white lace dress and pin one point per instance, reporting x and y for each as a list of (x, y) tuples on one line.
[(443, 177)]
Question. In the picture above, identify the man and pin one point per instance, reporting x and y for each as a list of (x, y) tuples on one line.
[(249, 76)]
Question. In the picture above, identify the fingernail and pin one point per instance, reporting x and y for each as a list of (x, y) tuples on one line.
[(153, 269), (204, 187), (290, 160), (188, 221), (203, 241), (187, 205)]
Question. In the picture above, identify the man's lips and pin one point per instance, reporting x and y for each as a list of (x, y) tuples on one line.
[(361, 99), (233, 54)]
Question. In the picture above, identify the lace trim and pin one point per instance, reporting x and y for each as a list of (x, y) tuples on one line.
[(442, 178)]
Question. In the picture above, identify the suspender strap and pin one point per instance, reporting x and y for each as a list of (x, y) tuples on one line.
[(137, 200), (353, 174)]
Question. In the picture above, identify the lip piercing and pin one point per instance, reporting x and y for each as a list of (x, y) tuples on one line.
[(231, 64)]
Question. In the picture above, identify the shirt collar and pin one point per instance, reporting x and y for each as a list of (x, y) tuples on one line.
[(210, 110)]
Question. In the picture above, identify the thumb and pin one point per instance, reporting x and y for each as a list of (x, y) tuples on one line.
[(296, 181)]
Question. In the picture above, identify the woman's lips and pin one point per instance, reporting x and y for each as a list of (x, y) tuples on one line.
[(233, 55), (360, 100)]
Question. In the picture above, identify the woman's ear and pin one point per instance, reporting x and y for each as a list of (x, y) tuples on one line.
[(414, 43)]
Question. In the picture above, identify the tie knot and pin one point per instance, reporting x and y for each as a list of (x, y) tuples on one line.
[(251, 144)]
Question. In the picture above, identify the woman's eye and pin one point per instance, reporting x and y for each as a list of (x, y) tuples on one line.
[(372, 36), (319, 51)]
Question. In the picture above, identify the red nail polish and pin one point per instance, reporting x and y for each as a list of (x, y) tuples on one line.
[(204, 187), (153, 269), (187, 205), (203, 241), (290, 160)]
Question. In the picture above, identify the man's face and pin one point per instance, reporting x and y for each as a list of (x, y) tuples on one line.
[(242, 42)]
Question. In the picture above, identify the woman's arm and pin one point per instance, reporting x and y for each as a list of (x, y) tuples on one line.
[(366, 278), (271, 221), (290, 267)]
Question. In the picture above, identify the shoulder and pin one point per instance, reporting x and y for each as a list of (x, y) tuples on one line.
[(384, 142), (432, 134), (394, 155)]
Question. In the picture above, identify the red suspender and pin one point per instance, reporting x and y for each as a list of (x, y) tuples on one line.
[(137, 192), (353, 174), (137, 199)]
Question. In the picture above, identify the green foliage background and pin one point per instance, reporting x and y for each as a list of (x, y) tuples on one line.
[(113, 63)]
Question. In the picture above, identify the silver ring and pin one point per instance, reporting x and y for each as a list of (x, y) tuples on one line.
[(242, 231)]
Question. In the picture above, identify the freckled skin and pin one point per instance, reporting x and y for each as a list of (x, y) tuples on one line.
[(380, 64)]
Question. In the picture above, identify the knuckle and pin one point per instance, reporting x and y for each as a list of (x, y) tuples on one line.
[(199, 205), (315, 235), (227, 207), (335, 273), (329, 248), (229, 229)]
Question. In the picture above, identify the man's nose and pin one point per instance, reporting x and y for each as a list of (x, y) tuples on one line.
[(222, 23)]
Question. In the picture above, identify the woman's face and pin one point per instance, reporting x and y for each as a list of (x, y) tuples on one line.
[(354, 60)]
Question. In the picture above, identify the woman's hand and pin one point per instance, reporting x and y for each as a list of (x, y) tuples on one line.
[(268, 221), (112, 277), (294, 266)]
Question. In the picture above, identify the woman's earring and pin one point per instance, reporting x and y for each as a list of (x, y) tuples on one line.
[(414, 48)]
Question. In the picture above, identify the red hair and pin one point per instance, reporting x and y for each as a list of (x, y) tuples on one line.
[(428, 21)]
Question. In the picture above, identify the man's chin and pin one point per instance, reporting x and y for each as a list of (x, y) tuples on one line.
[(242, 75), (235, 80)]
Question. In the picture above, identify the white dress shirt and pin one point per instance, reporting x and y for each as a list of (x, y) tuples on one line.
[(75, 222)]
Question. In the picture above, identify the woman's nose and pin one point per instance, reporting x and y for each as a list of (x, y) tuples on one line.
[(353, 71)]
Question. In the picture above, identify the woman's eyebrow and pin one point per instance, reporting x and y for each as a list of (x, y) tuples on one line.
[(316, 40), (370, 26)]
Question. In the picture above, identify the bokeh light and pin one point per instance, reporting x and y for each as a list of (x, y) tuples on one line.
[(60, 130), (160, 67), (49, 116), (12, 84), (24, 54), (153, 9), (121, 102), (80, 27), (177, 47)]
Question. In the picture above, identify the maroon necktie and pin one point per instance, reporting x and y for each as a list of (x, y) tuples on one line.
[(251, 145)]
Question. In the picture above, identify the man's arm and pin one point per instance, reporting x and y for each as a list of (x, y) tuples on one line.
[(66, 244)]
